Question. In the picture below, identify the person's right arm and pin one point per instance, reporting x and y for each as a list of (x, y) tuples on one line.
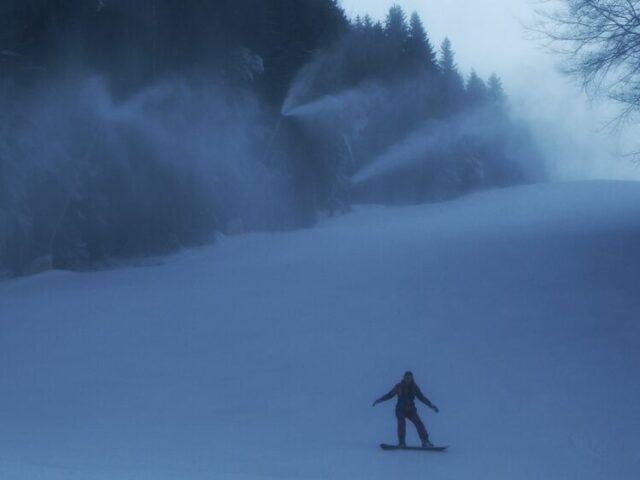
[(388, 396)]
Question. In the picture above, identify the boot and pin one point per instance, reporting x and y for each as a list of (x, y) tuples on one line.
[(402, 444), (427, 444)]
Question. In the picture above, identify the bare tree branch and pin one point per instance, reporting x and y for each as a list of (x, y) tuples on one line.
[(600, 40)]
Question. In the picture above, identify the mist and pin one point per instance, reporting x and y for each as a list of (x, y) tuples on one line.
[(578, 133), (411, 136), (233, 233), (152, 137), (97, 178), (433, 141)]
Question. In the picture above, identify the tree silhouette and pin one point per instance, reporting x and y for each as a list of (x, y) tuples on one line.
[(419, 47), (496, 91), (477, 91), (396, 32), (600, 40), (453, 84)]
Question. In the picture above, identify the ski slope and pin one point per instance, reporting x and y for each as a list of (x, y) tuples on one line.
[(259, 357)]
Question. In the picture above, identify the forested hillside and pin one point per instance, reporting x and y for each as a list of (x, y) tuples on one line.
[(137, 127)]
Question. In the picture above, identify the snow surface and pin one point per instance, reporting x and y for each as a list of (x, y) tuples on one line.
[(259, 357)]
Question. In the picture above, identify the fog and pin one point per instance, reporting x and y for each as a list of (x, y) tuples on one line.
[(434, 140), (228, 226), (578, 133), (132, 129), (169, 166)]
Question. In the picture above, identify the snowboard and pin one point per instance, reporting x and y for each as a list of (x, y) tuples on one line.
[(384, 446)]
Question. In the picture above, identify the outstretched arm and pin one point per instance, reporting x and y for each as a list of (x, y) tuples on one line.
[(388, 396), (425, 400)]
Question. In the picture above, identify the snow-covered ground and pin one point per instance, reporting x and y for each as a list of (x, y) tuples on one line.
[(259, 357)]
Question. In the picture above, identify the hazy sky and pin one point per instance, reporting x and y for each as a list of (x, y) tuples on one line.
[(489, 36)]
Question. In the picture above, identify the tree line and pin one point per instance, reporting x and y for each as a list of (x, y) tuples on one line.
[(137, 127)]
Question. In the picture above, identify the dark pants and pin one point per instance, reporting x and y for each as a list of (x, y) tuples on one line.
[(412, 416)]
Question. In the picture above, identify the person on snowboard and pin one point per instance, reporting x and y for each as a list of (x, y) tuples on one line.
[(407, 391)]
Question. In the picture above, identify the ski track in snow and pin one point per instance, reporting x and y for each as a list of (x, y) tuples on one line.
[(259, 357)]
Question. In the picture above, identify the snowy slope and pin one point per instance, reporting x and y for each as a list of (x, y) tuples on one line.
[(259, 357)]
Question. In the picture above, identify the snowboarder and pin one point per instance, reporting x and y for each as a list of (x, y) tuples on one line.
[(407, 391)]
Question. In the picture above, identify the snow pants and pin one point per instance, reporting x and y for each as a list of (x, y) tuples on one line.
[(412, 416)]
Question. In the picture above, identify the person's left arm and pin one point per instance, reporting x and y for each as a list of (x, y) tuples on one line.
[(425, 400)]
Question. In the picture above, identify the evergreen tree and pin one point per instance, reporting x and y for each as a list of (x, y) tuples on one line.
[(419, 47), (477, 91), (447, 62), (496, 91), (367, 23), (374, 31), (248, 50), (396, 30), (453, 84)]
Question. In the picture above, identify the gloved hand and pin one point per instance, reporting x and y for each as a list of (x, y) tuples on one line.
[(435, 409), (375, 403)]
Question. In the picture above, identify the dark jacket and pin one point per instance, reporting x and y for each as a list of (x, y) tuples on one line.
[(407, 393)]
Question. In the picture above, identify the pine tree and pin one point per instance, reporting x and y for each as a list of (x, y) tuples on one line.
[(396, 29), (453, 84), (496, 91), (419, 47), (357, 23), (367, 23), (446, 62), (477, 91)]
